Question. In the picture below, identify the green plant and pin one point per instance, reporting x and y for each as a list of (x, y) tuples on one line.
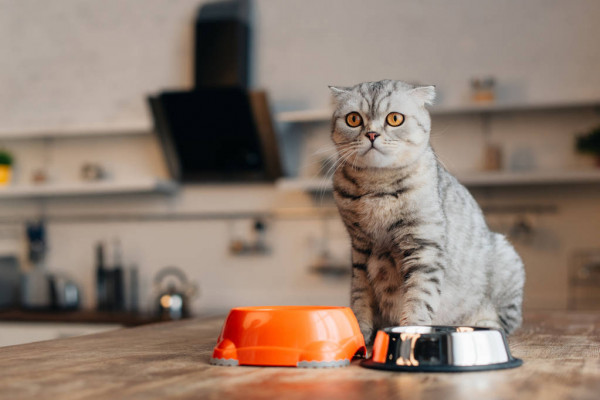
[(590, 142), (5, 158)]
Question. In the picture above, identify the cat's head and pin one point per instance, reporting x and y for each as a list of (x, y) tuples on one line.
[(381, 124)]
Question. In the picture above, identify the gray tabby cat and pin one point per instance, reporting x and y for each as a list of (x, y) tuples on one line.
[(422, 253)]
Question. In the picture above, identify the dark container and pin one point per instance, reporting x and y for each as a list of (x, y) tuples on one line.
[(217, 134), (222, 36)]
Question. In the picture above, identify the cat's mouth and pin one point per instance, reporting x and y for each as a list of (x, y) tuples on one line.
[(371, 148)]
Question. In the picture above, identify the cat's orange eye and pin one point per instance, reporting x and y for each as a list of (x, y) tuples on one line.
[(395, 119), (354, 119)]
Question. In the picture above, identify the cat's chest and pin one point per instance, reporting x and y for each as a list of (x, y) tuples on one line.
[(376, 213)]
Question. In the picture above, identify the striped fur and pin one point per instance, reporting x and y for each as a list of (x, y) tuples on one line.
[(421, 250)]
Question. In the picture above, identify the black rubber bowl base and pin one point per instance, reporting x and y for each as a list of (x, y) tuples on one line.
[(513, 363)]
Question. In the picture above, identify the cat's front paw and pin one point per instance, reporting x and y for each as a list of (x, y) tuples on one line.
[(368, 333)]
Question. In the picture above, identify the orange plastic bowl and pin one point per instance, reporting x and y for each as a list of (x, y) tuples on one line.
[(289, 336)]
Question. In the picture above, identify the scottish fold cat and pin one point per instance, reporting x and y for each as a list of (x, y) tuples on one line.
[(422, 253)]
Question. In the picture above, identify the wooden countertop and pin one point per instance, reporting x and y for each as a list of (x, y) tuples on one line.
[(561, 352)]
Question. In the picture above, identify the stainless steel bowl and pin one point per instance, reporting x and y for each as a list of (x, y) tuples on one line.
[(440, 349)]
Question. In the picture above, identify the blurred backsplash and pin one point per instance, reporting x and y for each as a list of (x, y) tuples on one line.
[(75, 76)]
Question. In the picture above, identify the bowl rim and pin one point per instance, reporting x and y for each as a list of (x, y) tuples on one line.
[(288, 308), (511, 363), (425, 330)]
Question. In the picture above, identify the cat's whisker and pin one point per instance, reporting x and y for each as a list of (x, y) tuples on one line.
[(327, 149), (437, 157), (341, 160), (325, 162), (438, 132)]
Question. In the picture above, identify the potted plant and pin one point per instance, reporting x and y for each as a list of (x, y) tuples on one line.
[(590, 143), (6, 161)]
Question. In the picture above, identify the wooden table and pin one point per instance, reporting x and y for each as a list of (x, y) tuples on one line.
[(561, 353)]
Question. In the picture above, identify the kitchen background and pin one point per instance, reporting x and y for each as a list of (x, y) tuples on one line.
[(75, 76)]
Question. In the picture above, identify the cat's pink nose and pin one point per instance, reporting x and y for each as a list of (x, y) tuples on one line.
[(372, 136)]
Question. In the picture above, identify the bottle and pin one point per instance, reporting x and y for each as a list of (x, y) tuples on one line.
[(101, 295), (118, 296), (131, 292)]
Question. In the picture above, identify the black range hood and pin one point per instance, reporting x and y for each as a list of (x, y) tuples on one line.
[(219, 131)]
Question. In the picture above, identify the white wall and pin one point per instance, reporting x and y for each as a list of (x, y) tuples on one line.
[(84, 64), (538, 50), (72, 63)]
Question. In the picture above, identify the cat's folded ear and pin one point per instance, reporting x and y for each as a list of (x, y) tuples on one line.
[(338, 91), (424, 94)]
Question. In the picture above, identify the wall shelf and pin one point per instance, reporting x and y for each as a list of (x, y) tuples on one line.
[(535, 177), (304, 116), (324, 115), (50, 190), (84, 132), (472, 179)]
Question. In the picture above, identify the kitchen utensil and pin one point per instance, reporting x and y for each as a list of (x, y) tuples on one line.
[(483, 89), (9, 281), (44, 291), (36, 289), (64, 293), (110, 281), (293, 336), (440, 349), (36, 241), (132, 285), (91, 172), (101, 289), (115, 282), (172, 300)]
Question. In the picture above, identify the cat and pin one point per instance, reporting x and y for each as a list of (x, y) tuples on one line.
[(422, 253)]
